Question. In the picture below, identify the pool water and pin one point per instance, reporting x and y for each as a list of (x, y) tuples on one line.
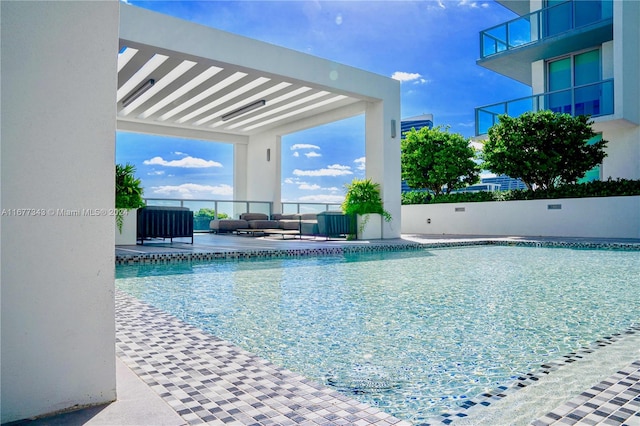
[(413, 333)]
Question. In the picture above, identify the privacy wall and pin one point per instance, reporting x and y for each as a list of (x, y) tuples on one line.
[(607, 217)]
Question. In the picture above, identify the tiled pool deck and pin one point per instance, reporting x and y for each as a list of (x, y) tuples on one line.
[(204, 380)]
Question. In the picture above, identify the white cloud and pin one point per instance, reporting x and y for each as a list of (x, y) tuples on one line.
[(339, 167), (192, 190), (309, 187), (298, 146), (180, 153), (312, 154), (472, 4), (467, 124), (186, 162), (333, 170), (361, 163), (296, 154), (156, 173), (405, 76)]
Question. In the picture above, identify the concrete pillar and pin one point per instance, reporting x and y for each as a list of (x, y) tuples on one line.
[(57, 228), (383, 157), (264, 169)]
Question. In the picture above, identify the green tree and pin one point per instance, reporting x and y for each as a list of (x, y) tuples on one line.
[(438, 160), (210, 214), (542, 148)]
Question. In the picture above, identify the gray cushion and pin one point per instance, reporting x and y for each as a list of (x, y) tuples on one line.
[(227, 225), (289, 224), (254, 216), (263, 224)]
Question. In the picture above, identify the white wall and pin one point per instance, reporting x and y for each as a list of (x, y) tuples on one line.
[(623, 153), (263, 175), (57, 152), (627, 59), (609, 217)]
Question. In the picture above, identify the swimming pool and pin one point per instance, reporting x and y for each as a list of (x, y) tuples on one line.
[(414, 333)]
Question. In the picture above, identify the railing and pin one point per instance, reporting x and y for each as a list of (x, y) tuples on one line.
[(542, 24), (594, 99), (221, 208), (234, 208), (294, 207)]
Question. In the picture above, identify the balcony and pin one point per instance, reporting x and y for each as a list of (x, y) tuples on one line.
[(595, 99), (511, 47)]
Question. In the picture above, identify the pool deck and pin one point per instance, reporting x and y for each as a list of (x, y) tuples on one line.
[(170, 373)]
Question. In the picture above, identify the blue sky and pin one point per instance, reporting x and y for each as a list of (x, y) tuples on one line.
[(430, 46)]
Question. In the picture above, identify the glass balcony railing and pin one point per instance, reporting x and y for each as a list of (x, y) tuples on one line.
[(543, 23), (290, 207), (206, 210), (594, 99)]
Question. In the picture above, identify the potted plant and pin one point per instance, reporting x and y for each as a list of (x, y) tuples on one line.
[(364, 202), (128, 197)]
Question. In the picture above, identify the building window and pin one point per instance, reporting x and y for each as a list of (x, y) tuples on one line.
[(562, 15), (574, 84)]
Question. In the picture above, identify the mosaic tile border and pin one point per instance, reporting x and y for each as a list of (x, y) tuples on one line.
[(207, 380), (525, 380), (170, 257), (614, 401)]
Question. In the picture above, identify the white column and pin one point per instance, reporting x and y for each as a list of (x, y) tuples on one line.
[(264, 169), (57, 160), (383, 157)]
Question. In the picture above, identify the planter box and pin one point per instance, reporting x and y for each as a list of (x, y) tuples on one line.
[(129, 232), (369, 226)]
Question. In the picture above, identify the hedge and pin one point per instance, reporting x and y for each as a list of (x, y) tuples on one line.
[(608, 188)]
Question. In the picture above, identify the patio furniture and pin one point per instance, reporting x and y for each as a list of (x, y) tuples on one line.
[(259, 221), (221, 226), (164, 222), (335, 224)]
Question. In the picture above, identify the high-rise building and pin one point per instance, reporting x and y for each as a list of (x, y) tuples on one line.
[(579, 57), (417, 122)]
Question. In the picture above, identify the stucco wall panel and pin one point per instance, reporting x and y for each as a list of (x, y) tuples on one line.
[(57, 159), (608, 217)]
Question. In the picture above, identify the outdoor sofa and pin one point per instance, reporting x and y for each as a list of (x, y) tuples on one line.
[(246, 221), (324, 224)]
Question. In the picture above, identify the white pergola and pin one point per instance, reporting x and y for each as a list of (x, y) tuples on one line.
[(177, 78), (62, 78)]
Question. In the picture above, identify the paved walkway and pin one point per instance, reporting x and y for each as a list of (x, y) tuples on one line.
[(171, 373)]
